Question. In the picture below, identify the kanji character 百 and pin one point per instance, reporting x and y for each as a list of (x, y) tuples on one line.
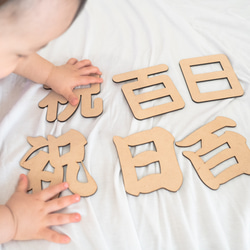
[(168, 89), (236, 148)]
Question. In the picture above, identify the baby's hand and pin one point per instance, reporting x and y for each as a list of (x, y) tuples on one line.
[(63, 79), (34, 213)]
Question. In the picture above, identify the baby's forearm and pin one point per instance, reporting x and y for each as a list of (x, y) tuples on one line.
[(35, 68), (7, 224)]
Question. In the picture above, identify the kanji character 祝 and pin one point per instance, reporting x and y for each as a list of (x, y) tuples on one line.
[(167, 89), (236, 148), (170, 176), (72, 159), (52, 100)]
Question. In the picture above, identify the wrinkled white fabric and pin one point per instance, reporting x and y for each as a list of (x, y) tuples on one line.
[(120, 36)]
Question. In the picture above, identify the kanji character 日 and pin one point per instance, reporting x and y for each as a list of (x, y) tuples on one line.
[(170, 176), (226, 73)]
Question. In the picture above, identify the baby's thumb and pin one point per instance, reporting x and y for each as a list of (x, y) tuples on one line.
[(23, 183)]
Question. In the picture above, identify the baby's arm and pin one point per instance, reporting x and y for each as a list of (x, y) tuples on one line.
[(62, 79), (30, 216)]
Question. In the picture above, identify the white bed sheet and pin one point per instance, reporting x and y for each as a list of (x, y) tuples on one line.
[(120, 36)]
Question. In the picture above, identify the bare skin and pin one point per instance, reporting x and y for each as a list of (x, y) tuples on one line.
[(36, 211), (25, 27), (33, 29)]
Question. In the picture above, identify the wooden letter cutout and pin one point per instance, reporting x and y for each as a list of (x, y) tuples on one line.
[(73, 159), (143, 81), (237, 148), (85, 98), (170, 176), (227, 73)]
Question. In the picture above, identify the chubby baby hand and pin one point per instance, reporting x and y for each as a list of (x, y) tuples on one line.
[(63, 79), (34, 214)]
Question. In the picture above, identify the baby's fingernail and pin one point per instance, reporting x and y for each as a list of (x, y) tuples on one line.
[(77, 197), (77, 217), (21, 177), (66, 185), (65, 239), (74, 101)]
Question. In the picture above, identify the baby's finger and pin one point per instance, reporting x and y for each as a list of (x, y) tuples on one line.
[(56, 219), (72, 61), (52, 191), (72, 98), (85, 80), (60, 203), (90, 70), (83, 63), (53, 236), (23, 183)]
